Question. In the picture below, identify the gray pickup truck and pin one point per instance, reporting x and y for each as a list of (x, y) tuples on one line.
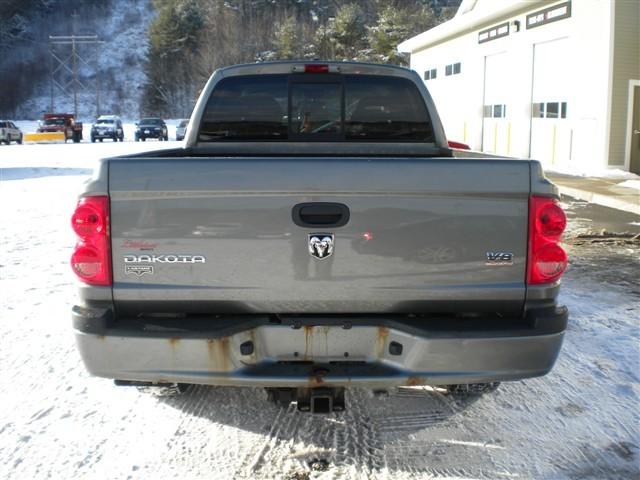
[(316, 232)]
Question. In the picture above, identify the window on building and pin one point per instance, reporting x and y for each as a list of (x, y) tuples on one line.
[(549, 110), (493, 33), (495, 111), (552, 110), (548, 15), (538, 110), (430, 74), (453, 69)]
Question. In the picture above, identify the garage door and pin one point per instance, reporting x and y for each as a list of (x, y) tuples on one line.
[(496, 135), (550, 129)]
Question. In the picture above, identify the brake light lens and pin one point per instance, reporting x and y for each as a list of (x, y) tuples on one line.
[(458, 145), (551, 220), (91, 258), (546, 260), (316, 68)]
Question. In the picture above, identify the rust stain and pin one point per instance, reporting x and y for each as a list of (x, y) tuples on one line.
[(326, 330), (219, 354), (383, 334), (101, 337), (308, 337), (173, 341), (317, 376), (415, 381)]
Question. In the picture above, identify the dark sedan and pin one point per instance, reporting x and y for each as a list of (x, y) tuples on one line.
[(151, 128)]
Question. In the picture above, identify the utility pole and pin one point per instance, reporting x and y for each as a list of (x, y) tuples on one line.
[(64, 66)]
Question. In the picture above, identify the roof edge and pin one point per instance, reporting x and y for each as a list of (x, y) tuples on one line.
[(467, 22)]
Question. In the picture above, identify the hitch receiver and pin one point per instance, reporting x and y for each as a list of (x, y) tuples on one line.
[(313, 400), (321, 400)]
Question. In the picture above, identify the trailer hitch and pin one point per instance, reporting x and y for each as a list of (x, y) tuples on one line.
[(320, 400)]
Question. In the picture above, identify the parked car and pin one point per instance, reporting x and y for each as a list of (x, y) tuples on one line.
[(316, 233), (9, 132), (151, 128), (181, 129), (107, 126)]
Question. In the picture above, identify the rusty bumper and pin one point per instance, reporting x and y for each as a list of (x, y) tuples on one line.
[(373, 353)]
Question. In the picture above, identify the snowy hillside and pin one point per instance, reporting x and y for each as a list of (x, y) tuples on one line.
[(119, 62)]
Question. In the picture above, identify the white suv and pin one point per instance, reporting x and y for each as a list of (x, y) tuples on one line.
[(9, 132), (107, 126)]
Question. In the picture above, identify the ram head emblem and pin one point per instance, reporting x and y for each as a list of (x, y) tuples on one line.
[(321, 245)]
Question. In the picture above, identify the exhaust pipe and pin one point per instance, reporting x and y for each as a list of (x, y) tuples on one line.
[(174, 387)]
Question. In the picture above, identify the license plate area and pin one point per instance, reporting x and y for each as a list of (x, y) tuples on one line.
[(323, 344)]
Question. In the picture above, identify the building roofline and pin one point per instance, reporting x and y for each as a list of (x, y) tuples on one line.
[(468, 21)]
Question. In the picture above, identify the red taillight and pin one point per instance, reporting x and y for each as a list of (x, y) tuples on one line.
[(546, 261), (458, 145), (91, 259), (550, 220), (316, 68)]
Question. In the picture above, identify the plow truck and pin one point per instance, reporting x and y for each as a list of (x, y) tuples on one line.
[(57, 127)]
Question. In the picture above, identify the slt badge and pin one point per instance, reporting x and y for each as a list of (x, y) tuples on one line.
[(321, 245)]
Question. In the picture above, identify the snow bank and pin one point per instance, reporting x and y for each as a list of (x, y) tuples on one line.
[(580, 171)]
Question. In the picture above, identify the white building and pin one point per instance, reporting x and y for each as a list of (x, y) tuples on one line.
[(558, 81)]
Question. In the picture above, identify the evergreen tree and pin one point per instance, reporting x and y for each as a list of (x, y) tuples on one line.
[(173, 43), (349, 32), (287, 40), (395, 24)]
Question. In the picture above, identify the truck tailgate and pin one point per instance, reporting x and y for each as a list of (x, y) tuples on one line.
[(217, 235)]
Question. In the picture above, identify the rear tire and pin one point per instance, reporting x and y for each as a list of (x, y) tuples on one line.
[(472, 389)]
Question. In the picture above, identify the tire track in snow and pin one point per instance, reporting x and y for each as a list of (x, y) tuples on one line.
[(254, 454)]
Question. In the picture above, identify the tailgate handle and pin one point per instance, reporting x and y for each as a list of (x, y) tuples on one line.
[(320, 214)]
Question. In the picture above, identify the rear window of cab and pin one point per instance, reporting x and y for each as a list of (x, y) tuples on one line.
[(327, 107)]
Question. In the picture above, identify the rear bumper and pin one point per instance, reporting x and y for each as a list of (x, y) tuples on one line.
[(151, 134), (104, 134), (374, 352)]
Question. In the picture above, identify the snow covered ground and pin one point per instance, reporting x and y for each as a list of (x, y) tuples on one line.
[(580, 421)]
